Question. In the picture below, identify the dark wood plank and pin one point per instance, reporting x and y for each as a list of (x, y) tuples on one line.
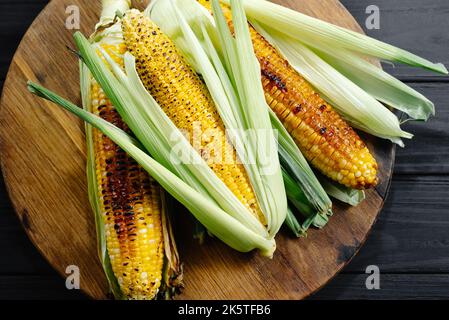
[(411, 234), (428, 151), (392, 286), (36, 288), (414, 25)]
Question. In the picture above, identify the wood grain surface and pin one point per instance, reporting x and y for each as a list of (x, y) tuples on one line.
[(43, 162)]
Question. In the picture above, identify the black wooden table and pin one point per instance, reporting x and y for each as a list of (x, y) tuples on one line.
[(410, 241)]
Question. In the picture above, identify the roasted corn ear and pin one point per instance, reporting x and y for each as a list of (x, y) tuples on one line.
[(137, 232), (185, 99), (325, 139)]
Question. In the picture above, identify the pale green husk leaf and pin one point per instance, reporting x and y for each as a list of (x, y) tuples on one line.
[(379, 84)]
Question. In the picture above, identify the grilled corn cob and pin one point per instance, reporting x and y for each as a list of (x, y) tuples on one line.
[(187, 102), (325, 139), (139, 241), (130, 201)]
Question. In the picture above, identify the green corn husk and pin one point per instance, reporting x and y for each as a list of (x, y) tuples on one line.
[(292, 223), (298, 199), (379, 84), (342, 193), (202, 39), (241, 107)]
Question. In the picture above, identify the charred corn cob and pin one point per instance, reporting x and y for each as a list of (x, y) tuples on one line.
[(186, 100), (325, 139), (138, 238)]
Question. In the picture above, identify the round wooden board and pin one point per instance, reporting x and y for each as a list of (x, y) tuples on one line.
[(43, 162)]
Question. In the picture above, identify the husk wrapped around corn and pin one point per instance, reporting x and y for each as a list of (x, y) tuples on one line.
[(185, 99), (130, 206)]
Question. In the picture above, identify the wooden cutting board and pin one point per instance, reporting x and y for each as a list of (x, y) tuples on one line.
[(43, 162)]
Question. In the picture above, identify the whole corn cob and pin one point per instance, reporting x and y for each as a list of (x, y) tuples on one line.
[(325, 139), (139, 241), (185, 99), (131, 204)]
